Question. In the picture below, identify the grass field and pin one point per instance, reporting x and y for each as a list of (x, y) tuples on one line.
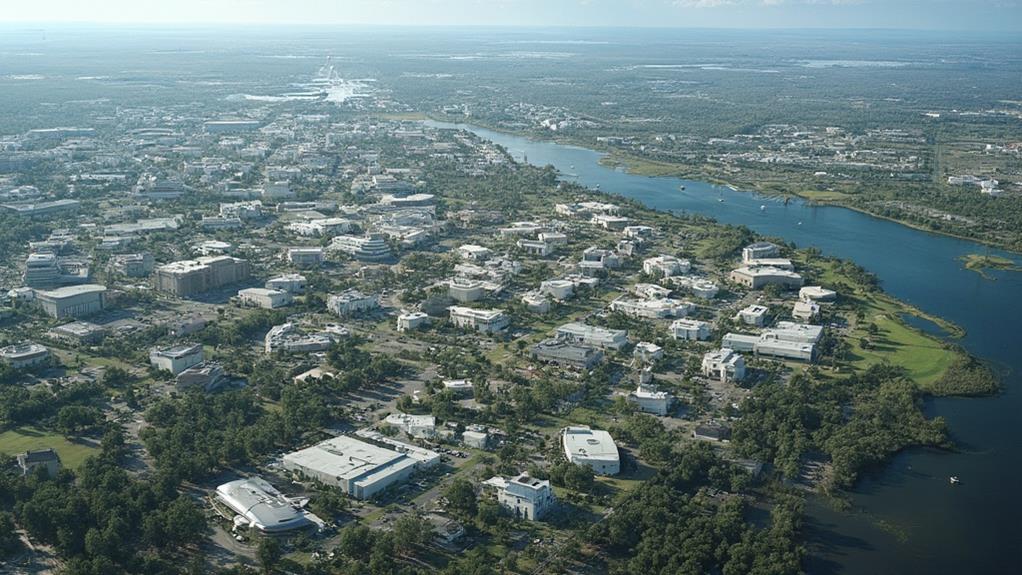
[(22, 439)]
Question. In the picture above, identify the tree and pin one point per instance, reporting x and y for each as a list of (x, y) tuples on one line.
[(410, 531), (461, 497), (10, 543), (269, 554)]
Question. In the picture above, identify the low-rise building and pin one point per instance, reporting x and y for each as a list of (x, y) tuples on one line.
[(537, 248), (352, 302), (368, 248), (32, 460), (805, 310), (265, 298), (665, 266), (481, 320), (132, 265), (651, 308), (593, 448), (191, 277), (756, 277), (287, 338), (408, 321), (599, 337), (759, 251), (647, 352), (291, 283), (465, 290), (690, 330), (536, 302), (79, 332), (359, 468), (306, 257), (560, 290), (816, 293), (24, 355), (420, 426), (724, 365), (72, 301), (263, 507), (753, 315), (459, 387), (208, 376), (176, 359), (474, 253), (566, 353), (648, 398), (525, 497)]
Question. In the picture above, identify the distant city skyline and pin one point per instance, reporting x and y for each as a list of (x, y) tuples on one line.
[(1003, 15)]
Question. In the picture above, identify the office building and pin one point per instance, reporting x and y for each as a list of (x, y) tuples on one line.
[(191, 277), (756, 277), (724, 365), (411, 321), (306, 257), (566, 354), (368, 248), (72, 301), (176, 359), (265, 298), (263, 507), (291, 283), (524, 496), (599, 337), (24, 355), (690, 330), (352, 302), (481, 320)]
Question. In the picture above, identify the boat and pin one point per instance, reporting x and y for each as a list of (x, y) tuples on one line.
[(720, 199), (955, 480), (762, 208), (682, 188), (800, 223)]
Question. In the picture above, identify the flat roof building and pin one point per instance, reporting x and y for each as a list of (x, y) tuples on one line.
[(481, 320), (72, 301), (756, 277), (591, 447), (176, 359), (265, 298), (190, 277), (602, 338), (724, 365), (566, 353), (352, 302), (359, 468), (690, 330), (24, 355), (525, 497)]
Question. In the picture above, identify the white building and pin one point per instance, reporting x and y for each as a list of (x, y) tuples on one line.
[(560, 290), (24, 355), (651, 308), (665, 266), (359, 468), (593, 336), (368, 248), (420, 426), (591, 447), (690, 330), (408, 321), (461, 387), (648, 398), (753, 315), (724, 365), (647, 352), (176, 359), (265, 298), (291, 283), (759, 251), (805, 310), (700, 287), (352, 302), (535, 247), (474, 253), (481, 320), (525, 497), (263, 507), (609, 221), (536, 302), (816, 293)]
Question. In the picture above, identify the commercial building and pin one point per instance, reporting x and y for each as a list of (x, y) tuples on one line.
[(756, 277), (352, 302), (42, 209), (306, 257), (591, 447), (42, 271), (287, 338), (599, 337), (176, 359), (359, 468), (263, 507), (25, 354), (291, 283), (700, 287), (724, 365), (72, 301), (190, 277), (481, 320), (690, 330), (524, 496), (474, 253), (411, 321), (265, 298)]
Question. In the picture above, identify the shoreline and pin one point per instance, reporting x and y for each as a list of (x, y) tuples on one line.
[(629, 162)]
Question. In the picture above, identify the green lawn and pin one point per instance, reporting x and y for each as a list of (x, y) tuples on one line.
[(22, 439)]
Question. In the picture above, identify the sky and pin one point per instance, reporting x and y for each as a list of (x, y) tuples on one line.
[(975, 15)]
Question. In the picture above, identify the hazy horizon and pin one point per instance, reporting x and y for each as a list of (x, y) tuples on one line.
[(936, 15)]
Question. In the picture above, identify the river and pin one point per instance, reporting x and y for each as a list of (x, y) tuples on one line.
[(909, 518)]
